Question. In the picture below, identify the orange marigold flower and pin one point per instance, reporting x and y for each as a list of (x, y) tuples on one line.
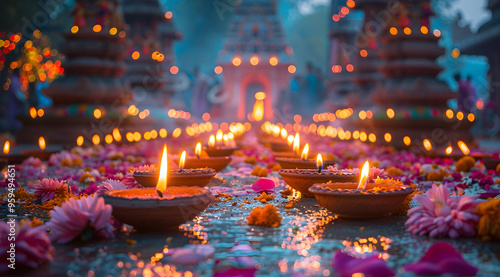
[(267, 216)]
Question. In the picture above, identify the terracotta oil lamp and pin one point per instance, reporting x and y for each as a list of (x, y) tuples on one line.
[(217, 150), (42, 153), (303, 179), (200, 177), (10, 158), (303, 162), (285, 145), (217, 163), (161, 208), (293, 149), (363, 199)]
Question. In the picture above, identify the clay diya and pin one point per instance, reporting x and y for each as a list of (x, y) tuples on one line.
[(362, 200), (161, 208), (214, 150), (303, 162), (303, 179), (217, 163), (292, 152), (42, 154), (200, 177), (11, 158)]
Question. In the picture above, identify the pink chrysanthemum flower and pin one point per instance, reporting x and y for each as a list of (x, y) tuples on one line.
[(85, 218), (32, 161), (443, 215), (109, 185), (33, 247), (47, 188)]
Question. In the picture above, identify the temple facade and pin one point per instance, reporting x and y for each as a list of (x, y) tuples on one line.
[(342, 51), (149, 54), (92, 89), (255, 58)]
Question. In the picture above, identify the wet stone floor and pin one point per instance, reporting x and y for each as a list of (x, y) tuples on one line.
[(303, 245)]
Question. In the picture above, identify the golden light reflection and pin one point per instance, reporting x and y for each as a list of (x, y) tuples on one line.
[(41, 143), (448, 150), (289, 140), (305, 152), (96, 139), (116, 134), (97, 113), (236, 61), (387, 137), (108, 138), (163, 133), (449, 114), (33, 112), (182, 161), (161, 186), (369, 245), (254, 60), (364, 175), (463, 147), (79, 140), (276, 131), (6, 147), (390, 113), (427, 144), (211, 141), (407, 140)]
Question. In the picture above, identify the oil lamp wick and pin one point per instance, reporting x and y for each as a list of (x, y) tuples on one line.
[(320, 167), (159, 193)]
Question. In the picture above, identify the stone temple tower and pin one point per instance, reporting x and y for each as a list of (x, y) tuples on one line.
[(255, 58), (149, 55)]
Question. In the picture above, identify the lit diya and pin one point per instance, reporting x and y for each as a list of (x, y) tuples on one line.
[(363, 199), (303, 162), (217, 163), (10, 158), (280, 146), (490, 161), (293, 148), (41, 153), (161, 208), (215, 149), (200, 177), (303, 179)]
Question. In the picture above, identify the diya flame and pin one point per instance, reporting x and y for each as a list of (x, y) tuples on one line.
[(363, 178), (161, 186)]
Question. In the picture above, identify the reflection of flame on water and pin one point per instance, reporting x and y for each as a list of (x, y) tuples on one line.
[(368, 245)]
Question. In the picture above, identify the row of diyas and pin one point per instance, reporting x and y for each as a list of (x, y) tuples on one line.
[(161, 208), (340, 193), (220, 145), (362, 199), (193, 171), (13, 157), (301, 161)]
